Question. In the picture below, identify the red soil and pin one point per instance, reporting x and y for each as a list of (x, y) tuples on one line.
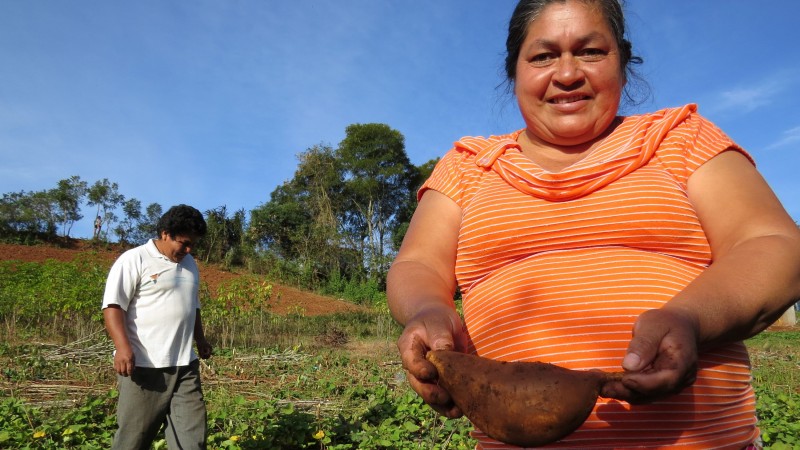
[(285, 299)]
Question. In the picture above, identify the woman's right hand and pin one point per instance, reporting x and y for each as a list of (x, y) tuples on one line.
[(420, 286), (435, 328)]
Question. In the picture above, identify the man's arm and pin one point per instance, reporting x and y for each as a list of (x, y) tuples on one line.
[(204, 349), (124, 359)]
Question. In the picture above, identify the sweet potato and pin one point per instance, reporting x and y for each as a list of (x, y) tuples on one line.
[(521, 403)]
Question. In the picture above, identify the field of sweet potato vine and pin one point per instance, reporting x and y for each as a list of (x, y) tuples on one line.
[(279, 379)]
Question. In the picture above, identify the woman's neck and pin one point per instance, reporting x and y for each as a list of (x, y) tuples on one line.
[(555, 158)]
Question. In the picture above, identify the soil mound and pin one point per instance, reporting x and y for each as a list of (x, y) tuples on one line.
[(285, 299)]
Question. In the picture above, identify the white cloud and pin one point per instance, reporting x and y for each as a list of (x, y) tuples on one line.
[(790, 136), (745, 100), (741, 100)]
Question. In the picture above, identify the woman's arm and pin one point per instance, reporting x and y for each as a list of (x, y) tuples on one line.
[(424, 270), (755, 274), (420, 288), (754, 278)]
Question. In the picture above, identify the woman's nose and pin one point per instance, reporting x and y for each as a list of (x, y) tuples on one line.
[(568, 71)]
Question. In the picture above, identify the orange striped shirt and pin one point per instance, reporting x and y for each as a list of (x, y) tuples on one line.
[(556, 267)]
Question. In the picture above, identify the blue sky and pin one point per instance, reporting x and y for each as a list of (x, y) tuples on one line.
[(209, 102)]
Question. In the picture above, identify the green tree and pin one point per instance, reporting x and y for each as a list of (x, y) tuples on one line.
[(225, 237), (422, 173), (67, 199), (239, 246), (301, 221), (132, 216), (28, 215), (213, 245), (337, 216), (12, 220), (278, 224), (378, 179), (106, 197), (147, 228), (42, 211)]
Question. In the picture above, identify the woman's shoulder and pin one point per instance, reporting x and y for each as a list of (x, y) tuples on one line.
[(675, 114), (476, 144), (669, 124), (662, 113), (681, 137)]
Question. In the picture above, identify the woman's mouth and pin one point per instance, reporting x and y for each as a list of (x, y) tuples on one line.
[(567, 99)]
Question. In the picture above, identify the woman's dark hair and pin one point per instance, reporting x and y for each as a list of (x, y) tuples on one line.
[(182, 220), (527, 11)]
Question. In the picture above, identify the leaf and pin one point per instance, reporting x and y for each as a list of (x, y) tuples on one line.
[(410, 426)]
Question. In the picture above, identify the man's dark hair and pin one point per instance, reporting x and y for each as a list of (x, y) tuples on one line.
[(182, 220)]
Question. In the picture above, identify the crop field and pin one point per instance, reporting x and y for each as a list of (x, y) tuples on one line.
[(277, 380), (328, 391)]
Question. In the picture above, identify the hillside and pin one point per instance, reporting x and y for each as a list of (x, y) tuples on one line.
[(284, 298)]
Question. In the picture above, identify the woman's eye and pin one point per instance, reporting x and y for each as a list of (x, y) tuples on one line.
[(542, 59), (591, 54)]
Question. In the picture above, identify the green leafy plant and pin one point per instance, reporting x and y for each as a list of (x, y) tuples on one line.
[(779, 419), (276, 381)]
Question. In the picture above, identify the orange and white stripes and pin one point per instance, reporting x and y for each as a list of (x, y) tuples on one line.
[(556, 267)]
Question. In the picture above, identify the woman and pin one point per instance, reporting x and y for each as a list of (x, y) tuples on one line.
[(591, 240)]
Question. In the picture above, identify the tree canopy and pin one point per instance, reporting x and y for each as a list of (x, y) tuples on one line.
[(343, 209), (342, 216)]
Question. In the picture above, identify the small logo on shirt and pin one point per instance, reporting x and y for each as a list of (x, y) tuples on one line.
[(154, 277)]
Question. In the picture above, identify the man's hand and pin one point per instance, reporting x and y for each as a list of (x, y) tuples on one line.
[(124, 361), (204, 349)]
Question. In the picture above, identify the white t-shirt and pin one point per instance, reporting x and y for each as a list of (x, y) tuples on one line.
[(160, 298)]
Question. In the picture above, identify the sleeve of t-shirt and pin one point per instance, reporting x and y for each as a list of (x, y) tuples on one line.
[(693, 143), (196, 271), (446, 177), (121, 283)]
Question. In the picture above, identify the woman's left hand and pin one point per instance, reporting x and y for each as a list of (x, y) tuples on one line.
[(661, 359)]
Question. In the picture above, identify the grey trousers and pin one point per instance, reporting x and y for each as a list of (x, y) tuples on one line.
[(150, 398)]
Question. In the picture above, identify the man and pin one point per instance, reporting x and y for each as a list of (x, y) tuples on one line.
[(152, 313), (98, 225)]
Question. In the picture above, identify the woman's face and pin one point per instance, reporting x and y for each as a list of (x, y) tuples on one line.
[(569, 79)]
